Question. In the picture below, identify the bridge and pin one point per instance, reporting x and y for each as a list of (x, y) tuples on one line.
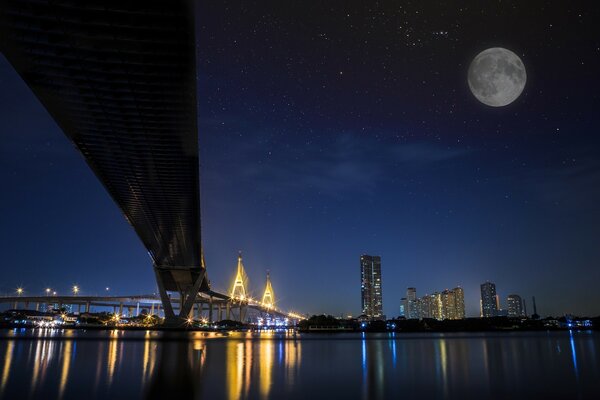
[(209, 305), (119, 78)]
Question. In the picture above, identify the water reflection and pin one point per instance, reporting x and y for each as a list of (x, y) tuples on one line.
[(7, 364), (239, 360), (247, 366), (149, 359), (179, 371), (373, 363), (573, 354), (266, 366), (66, 364)]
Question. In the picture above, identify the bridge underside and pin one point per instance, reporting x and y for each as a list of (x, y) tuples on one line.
[(119, 78)]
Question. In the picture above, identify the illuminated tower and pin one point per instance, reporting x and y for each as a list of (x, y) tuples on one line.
[(241, 279), (515, 306), (489, 300), (459, 302), (268, 299), (412, 310), (370, 273)]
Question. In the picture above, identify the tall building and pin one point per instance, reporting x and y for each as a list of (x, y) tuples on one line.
[(515, 306), (412, 309), (435, 306), (372, 299), (403, 307), (489, 300), (459, 302), (448, 304)]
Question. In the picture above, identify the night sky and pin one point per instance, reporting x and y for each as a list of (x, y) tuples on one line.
[(334, 129)]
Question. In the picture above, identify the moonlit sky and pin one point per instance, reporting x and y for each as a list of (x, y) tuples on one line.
[(328, 131)]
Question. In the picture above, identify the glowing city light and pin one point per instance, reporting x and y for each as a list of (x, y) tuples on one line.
[(75, 289), (20, 291)]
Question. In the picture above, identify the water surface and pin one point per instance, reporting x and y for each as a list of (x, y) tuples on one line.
[(66, 364)]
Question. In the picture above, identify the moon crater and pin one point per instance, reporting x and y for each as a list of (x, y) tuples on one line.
[(497, 77)]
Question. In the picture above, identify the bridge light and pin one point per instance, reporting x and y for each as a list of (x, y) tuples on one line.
[(53, 293), (20, 291), (48, 290), (75, 290)]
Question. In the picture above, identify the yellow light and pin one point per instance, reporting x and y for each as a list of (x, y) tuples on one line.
[(75, 289), (19, 291), (48, 290)]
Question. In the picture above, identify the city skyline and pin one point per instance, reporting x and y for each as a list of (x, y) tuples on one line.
[(313, 153)]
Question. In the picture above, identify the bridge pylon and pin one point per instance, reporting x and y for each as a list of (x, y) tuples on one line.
[(238, 290), (268, 299)]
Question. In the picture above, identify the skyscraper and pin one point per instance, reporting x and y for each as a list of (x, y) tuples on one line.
[(515, 306), (372, 299), (489, 301), (412, 309), (459, 302), (403, 307)]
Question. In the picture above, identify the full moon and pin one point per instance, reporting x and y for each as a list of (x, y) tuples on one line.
[(497, 77)]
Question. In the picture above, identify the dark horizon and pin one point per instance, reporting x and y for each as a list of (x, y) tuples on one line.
[(330, 132)]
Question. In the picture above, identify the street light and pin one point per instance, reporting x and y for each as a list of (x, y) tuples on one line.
[(20, 291), (75, 290), (48, 290)]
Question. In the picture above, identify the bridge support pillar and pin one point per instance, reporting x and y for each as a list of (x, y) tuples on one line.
[(188, 282), (220, 312), (27, 305), (210, 310), (120, 309), (88, 307), (243, 309), (152, 309), (137, 311), (228, 311), (37, 306)]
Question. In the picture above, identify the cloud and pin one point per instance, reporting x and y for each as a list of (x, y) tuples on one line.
[(573, 186), (423, 153), (348, 164)]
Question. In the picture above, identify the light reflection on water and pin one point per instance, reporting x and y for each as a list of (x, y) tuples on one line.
[(148, 365)]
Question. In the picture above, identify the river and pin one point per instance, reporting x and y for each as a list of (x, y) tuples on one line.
[(77, 364)]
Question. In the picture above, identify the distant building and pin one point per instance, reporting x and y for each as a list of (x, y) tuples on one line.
[(403, 307), (412, 309), (453, 304), (449, 304), (489, 300), (371, 295), (535, 315), (459, 302), (515, 306)]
